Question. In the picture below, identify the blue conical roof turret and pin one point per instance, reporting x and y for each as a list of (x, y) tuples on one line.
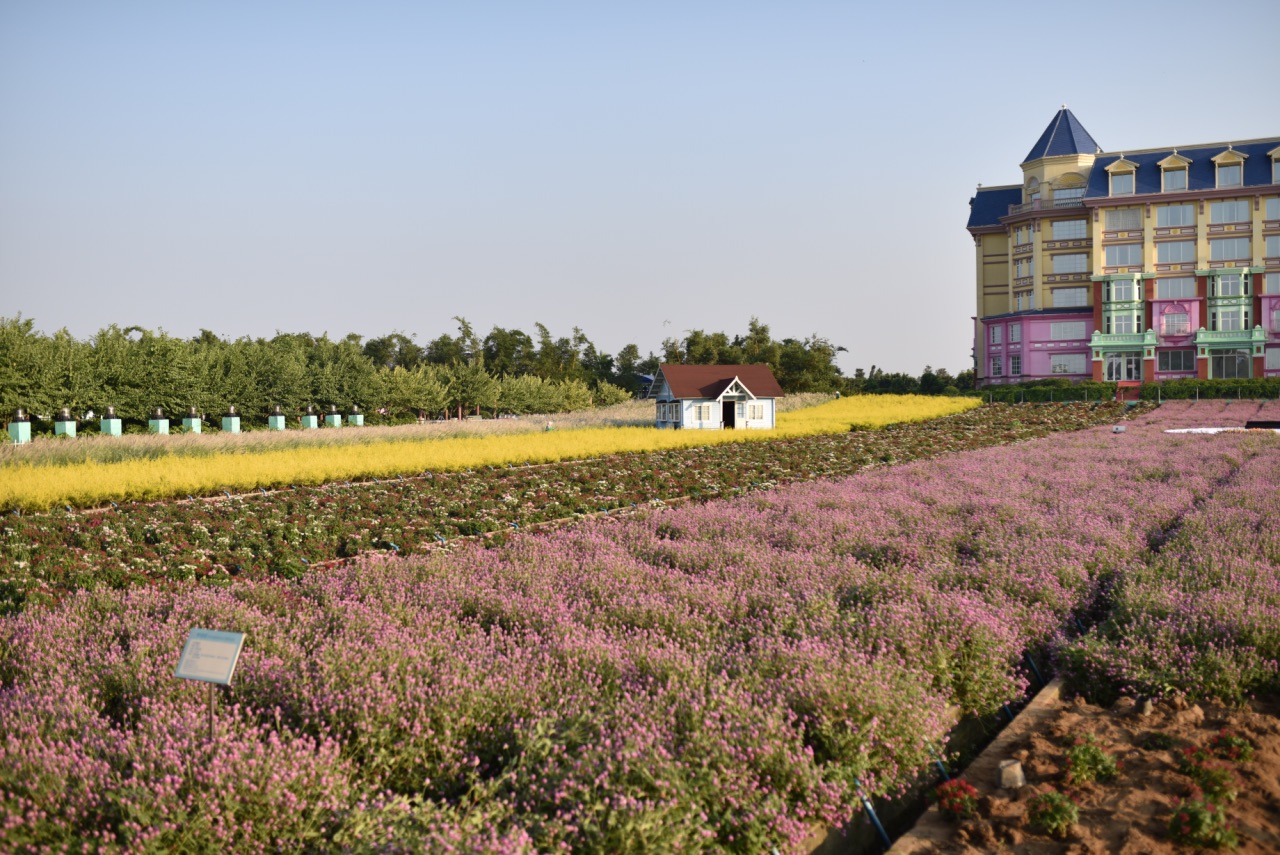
[(1065, 135)]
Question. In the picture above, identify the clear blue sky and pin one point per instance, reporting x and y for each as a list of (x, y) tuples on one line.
[(636, 170)]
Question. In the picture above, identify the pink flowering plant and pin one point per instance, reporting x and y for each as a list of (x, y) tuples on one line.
[(957, 798)]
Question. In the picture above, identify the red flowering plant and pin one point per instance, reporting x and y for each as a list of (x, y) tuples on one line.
[(957, 798)]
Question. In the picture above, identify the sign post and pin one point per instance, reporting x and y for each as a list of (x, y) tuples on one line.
[(210, 656)]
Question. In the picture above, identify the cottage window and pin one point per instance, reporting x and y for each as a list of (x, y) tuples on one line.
[(755, 412)]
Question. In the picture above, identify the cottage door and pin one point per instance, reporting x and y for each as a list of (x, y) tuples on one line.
[(730, 410)]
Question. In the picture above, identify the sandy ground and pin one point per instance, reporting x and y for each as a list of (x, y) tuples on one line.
[(1128, 815)]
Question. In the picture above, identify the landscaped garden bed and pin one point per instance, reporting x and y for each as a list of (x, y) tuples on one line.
[(716, 677), (285, 531)]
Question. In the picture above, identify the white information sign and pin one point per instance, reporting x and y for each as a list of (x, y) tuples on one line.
[(210, 656)]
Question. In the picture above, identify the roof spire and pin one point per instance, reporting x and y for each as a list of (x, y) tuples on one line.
[(1064, 136)]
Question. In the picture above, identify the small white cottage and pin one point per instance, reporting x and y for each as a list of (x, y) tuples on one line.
[(713, 397)]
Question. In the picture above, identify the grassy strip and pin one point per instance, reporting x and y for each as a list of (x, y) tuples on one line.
[(92, 483)]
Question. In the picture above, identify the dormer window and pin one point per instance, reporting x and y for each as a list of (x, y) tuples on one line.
[(1274, 154), (1230, 168), (1173, 173), (1122, 177), (1033, 190)]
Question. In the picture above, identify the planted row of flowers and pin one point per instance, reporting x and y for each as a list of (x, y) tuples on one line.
[(1200, 615), (715, 677), (281, 532)]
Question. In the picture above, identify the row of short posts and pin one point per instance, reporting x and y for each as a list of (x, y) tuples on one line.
[(64, 424)]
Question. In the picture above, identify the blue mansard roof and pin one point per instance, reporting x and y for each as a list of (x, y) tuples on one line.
[(989, 204), (1065, 135), (1200, 172)]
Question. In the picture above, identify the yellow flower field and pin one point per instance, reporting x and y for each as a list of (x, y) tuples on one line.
[(88, 484)]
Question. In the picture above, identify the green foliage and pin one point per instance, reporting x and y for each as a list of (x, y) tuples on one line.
[(1231, 746), (1200, 822), (1087, 761), (1053, 813), (1257, 388)]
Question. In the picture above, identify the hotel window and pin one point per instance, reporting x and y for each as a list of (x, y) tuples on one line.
[(1124, 219), (1076, 262), (1124, 255), (1226, 249), (1066, 194), (1272, 246), (1122, 184), (1229, 285), (1066, 330), (996, 335), (1271, 283), (1066, 363), (1275, 172), (1121, 324), (1176, 288), (1175, 323), (1229, 211), (1230, 174), (1273, 357), (1229, 364), (1176, 360), (1033, 190), (1069, 229), (1175, 215), (1273, 209), (1176, 251), (1069, 297), (1230, 319), (1175, 180), (1118, 291), (1015, 365), (1015, 333), (1275, 319), (997, 366), (1022, 301)]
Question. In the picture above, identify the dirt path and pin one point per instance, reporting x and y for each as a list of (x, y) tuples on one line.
[(1130, 814)]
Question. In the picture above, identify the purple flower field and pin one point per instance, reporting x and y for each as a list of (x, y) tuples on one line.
[(718, 677)]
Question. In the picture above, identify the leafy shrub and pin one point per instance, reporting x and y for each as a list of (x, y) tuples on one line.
[(1231, 746), (1053, 813), (1199, 822), (1087, 761)]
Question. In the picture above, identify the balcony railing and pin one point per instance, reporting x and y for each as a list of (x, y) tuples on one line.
[(1256, 335), (1046, 205)]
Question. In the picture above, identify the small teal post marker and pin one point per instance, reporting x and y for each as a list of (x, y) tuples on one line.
[(355, 418), (110, 423), (192, 421), (333, 418), (275, 420), (64, 424), (231, 421), (158, 423), (20, 427), (309, 419)]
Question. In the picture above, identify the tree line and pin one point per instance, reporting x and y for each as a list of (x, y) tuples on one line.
[(506, 371)]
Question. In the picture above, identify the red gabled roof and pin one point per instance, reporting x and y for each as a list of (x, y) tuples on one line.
[(709, 381)]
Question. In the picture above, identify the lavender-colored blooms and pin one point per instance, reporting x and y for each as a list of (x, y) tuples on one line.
[(714, 678)]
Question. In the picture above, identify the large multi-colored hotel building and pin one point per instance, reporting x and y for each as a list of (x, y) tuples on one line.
[(1129, 266)]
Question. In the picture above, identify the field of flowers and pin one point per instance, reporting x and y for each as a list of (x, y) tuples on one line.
[(713, 677), (89, 483), (1200, 615), (281, 533)]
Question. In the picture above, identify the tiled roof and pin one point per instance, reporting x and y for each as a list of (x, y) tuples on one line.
[(1200, 174), (709, 381), (1065, 135), (990, 204)]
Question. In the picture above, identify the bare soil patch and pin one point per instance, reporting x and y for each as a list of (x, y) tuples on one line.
[(1129, 814)]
